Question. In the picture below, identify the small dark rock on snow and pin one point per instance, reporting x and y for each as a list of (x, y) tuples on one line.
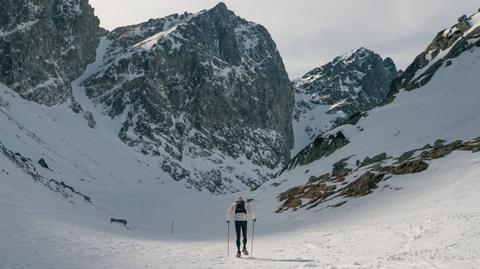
[(43, 164)]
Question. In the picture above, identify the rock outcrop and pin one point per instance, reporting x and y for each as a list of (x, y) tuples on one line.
[(329, 94), (322, 146), (447, 45), (44, 45)]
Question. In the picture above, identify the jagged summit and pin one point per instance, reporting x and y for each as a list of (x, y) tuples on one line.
[(347, 85), (207, 93), (221, 7), (356, 55), (357, 58)]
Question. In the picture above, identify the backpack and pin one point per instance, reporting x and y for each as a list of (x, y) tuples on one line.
[(240, 208)]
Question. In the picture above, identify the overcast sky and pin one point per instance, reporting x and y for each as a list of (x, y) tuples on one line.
[(310, 33)]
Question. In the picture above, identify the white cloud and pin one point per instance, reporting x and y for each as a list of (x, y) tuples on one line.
[(309, 33)]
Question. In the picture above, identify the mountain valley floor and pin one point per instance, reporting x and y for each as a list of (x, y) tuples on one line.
[(426, 220)]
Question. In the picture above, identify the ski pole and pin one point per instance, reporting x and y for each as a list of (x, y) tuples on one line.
[(253, 232), (228, 238)]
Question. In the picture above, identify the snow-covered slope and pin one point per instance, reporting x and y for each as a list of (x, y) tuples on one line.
[(432, 222), (118, 182), (444, 108)]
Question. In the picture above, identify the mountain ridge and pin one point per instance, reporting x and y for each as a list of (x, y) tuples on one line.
[(432, 115), (327, 95), (207, 88)]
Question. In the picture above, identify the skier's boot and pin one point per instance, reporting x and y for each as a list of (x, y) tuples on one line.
[(239, 254), (245, 251)]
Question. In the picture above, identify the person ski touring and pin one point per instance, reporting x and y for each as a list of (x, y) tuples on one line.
[(240, 211)]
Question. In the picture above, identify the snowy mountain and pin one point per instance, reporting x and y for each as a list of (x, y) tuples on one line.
[(205, 93), (432, 112), (344, 87), (396, 187)]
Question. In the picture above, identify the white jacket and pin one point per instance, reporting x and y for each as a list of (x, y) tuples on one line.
[(240, 216)]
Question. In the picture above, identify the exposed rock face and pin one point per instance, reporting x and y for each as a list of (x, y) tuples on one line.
[(351, 84), (312, 191), (363, 185), (321, 147), (346, 86), (340, 169), (439, 150), (44, 45), (208, 93), (410, 167), (447, 45)]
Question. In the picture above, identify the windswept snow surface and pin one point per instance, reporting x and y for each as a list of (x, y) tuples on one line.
[(433, 222)]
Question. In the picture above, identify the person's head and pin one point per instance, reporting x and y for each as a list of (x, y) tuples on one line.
[(239, 199)]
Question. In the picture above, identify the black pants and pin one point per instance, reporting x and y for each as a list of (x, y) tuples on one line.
[(241, 225)]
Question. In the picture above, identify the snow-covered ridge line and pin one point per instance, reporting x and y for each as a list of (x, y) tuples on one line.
[(358, 56), (447, 44), (169, 27), (474, 22), (173, 22)]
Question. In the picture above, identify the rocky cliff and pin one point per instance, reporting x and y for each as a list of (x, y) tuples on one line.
[(44, 45), (207, 93), (348, 85)]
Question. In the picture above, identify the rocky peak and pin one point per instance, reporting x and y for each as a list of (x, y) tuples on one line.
[(207, 93), (45, 45), (343, 87), (221, 8), (357, 58), (362, 60)]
